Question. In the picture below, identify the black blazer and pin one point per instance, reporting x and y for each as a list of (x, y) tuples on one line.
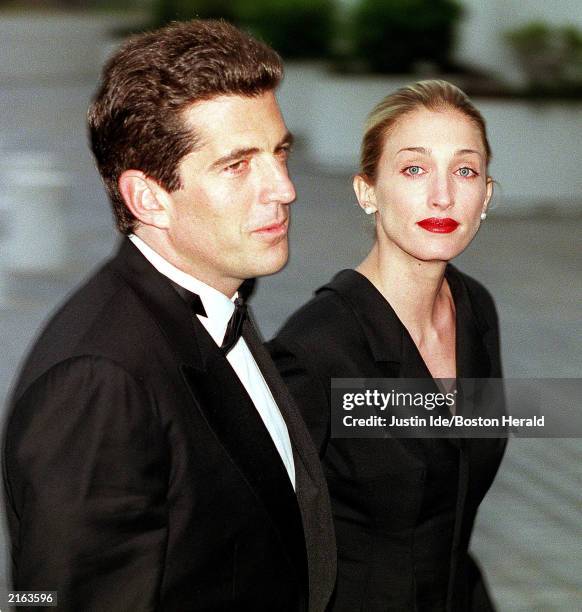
[(381, 487), (139, 475)]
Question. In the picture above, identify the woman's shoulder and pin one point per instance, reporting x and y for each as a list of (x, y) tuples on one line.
[(329, 316), (476, 289), (480, 298)]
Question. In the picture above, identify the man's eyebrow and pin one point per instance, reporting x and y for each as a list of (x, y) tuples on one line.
[(234, 156), (286, 141), (237, 154)]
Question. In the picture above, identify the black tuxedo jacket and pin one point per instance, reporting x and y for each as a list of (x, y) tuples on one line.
[(380, 487), (139, 475)]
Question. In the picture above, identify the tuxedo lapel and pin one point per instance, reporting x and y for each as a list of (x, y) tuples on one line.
[(172, 315), (312, 493), (236, 423), (279, 390)]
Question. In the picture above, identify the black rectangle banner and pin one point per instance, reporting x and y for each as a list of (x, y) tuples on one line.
[(456, 408)]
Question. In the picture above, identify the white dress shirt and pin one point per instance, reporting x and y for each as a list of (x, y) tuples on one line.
[(219, 309)]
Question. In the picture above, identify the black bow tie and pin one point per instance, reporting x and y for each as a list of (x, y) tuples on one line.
[(234, 327), (235, 324)]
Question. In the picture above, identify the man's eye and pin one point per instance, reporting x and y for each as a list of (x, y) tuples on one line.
[(237, 167), (466, 172), (284, 152), (414, 171)]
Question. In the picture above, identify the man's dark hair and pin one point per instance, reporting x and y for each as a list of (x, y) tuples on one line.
[(135, 119)]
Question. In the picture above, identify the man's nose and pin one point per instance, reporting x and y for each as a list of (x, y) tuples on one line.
[(277, 186)]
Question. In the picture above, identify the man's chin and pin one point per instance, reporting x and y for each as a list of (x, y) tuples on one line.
[(271, 264)]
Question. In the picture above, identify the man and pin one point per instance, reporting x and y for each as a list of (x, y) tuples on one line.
[(153, 458)]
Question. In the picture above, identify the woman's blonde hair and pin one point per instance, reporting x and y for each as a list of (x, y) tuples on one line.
[(434, 95)]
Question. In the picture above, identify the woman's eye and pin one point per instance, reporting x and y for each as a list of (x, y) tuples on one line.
[(414, 170), (466, 172)]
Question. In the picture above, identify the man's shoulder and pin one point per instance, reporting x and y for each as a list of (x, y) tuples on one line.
[(103, 318)]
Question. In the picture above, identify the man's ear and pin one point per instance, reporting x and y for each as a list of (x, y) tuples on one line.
[(148, 202), (365, 194)]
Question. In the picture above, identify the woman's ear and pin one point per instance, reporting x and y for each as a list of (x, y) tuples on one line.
[(365, 194), (148, 202), (489, 193)]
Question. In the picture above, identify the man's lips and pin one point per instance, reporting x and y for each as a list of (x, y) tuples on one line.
[(438, 225), (273, 229)]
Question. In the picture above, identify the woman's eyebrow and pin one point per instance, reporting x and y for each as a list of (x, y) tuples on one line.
[(465, 151), (422, 150), (425, 151)]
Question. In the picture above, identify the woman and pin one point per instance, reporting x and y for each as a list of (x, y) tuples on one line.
[(404, 508)]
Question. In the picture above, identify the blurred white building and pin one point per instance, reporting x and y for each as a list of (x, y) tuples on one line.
[(480, 41)]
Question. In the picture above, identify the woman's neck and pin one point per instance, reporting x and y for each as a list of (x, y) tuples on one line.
[(416, 290)]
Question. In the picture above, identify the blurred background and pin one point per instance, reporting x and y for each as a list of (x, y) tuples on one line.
[(520, 60)]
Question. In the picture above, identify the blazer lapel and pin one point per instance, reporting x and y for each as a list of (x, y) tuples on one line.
[(471, 354), (388, 339), (472, 358)]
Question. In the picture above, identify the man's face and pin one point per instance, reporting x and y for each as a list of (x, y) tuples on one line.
[(229, 221)]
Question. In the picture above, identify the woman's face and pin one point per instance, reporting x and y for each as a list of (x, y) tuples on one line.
[(431, 185)]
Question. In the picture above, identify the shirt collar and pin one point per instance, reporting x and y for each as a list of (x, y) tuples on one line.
[(218, 307)]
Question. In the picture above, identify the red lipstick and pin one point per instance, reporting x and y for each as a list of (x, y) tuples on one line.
[(438, 225)]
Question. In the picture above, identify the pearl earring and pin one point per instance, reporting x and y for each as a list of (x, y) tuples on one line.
[(369, 210), (483, 216)]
